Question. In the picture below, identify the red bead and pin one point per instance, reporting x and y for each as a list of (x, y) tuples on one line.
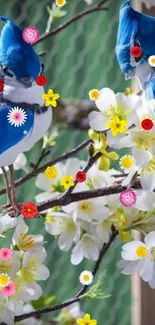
[(136, 51), (147, 124), (1, 87), (1, 81), (41, 80), (80, 176)]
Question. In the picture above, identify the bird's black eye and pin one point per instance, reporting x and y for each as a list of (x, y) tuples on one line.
[(7, 72), (42, 68)]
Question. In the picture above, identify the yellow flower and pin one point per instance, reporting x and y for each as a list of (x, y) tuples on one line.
[(128, 91), (50, 98), (94, 94), (67, 181), (117, 126), (60, 3), (51, 172), (86, 320), (4, 280)]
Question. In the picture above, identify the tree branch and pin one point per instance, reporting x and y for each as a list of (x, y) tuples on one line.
[(80, 293), (85, 195), (34, 173), (83, 13)]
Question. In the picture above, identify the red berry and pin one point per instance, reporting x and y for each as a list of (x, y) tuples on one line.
[(136, 51), (41, 80), (147, 124), (80, 176)]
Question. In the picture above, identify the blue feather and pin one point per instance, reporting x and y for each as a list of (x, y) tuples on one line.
[(18, 55), (9, 134)]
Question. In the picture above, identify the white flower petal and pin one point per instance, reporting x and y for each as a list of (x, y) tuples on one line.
[(150, 239), (106, 100), (141, 156), (129, 250), (65, 241), (147, 180), (128, 267), (72, 166), (77, 254), (97, 121), (42, 273), (152, 280), (146, 268)]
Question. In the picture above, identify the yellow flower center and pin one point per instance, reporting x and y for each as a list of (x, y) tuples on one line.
[(153, 60), (25, 241), (86, 277), (141, 251), (127, 162), (51, 172), (4, 280), (94, 94), (60, 2), (29, 210), (50, 219), (86, 207)]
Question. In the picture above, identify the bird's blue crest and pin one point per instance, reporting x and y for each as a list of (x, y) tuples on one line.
[(133, 25), (15, 53)]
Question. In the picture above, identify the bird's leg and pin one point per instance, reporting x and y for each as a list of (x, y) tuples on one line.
[(15, 206), (8, 194)]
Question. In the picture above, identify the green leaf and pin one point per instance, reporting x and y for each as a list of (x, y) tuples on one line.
[(95, 290), (43, 302)]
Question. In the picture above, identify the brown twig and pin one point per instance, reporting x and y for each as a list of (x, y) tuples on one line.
[(34, 173), (80, 293), (85, 195), (83, 13)]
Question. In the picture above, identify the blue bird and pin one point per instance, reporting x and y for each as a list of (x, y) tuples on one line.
[(136, 29), (23, 117)]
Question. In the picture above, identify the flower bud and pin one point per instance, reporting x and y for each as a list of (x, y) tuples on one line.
[(103, 163), (93, 135)]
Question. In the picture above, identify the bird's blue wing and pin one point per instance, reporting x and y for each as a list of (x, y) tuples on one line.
[(149, 89), (10, 134)]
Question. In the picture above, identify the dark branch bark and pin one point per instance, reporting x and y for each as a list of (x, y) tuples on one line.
[(85, 195), (83, 13)]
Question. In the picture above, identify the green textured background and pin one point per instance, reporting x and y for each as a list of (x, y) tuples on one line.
[(79, 59)]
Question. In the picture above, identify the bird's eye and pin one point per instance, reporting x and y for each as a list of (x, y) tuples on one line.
[(42, 68), (7, 72)]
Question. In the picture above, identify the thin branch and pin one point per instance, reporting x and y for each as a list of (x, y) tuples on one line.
[(80, 293), (85, 195), (83, 13), (34, 173)]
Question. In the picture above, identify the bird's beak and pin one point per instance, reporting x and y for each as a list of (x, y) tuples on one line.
[(130, 74), (27, 82)]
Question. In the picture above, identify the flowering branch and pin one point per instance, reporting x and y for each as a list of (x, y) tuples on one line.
[(35, 172), (83, 13), (39, 312), (63, 200)]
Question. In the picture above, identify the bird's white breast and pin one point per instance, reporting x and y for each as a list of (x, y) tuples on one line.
[(144, 72), (18, 93)]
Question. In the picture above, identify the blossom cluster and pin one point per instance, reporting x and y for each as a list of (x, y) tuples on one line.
[(21, 267), (84, 226)]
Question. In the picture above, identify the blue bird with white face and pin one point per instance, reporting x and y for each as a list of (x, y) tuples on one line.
[(136, 29), (23, 117)]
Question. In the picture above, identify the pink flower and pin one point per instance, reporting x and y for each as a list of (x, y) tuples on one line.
[(9, 290), (5, 254), (128, 198), (30, 34)]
